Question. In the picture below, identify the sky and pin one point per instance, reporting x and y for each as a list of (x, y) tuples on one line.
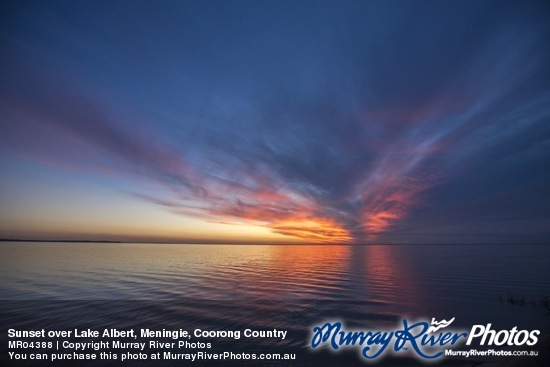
[(275, 121)]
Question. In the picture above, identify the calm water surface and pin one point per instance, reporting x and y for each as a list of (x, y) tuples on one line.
[(297, 286)]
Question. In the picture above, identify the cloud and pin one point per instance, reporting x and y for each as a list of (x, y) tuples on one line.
[(360, 125)]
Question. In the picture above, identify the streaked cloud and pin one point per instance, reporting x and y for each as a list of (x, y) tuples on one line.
[(360, 123)]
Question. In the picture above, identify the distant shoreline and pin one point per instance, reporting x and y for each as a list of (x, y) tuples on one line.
[(274, 244), (86, 241)]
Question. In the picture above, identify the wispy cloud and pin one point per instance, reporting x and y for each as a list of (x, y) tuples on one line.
[(330, 139)]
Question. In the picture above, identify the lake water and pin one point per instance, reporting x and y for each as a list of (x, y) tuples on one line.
[(63, 285)]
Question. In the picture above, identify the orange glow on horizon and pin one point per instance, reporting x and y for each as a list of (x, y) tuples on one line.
[(312, 229)]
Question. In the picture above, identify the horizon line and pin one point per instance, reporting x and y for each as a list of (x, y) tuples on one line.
[(269, 244)]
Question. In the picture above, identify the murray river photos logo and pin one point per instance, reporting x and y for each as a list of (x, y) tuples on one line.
[(421, 339)]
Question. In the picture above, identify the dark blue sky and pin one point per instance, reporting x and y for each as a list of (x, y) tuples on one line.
[(338, 121)]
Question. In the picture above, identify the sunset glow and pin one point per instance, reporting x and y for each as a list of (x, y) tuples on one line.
[(268, 123)]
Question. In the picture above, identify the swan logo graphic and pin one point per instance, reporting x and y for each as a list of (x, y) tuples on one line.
[(439, 325)]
